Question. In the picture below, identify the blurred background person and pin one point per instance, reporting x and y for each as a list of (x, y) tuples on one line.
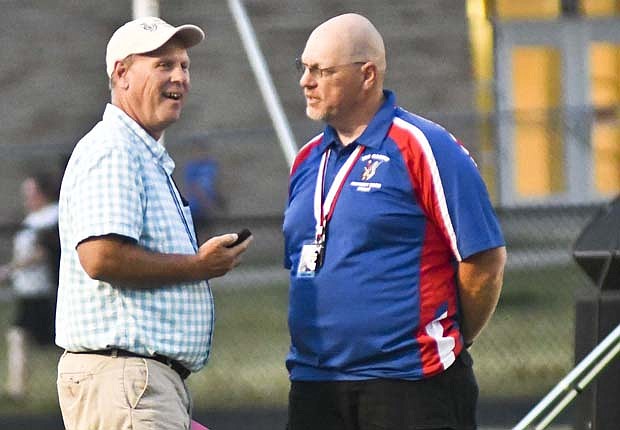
[(202, 190), (33, 275)]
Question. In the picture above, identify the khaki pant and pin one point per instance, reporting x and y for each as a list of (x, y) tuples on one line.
[(98, 392)]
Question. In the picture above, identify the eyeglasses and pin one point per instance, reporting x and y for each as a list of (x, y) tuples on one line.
[(317, 72)]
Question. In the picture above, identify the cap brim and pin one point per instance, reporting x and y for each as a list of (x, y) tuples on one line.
[(191, 35)]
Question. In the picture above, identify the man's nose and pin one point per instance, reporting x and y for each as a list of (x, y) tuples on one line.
[(180, 74), (306, 78)]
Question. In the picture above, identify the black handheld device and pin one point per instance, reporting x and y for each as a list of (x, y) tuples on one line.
[(241, 236)]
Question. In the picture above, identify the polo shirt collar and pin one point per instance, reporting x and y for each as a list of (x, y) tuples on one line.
[(156, 149), (376, 131)]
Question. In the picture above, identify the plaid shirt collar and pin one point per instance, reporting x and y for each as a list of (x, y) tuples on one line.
[(156, 148)]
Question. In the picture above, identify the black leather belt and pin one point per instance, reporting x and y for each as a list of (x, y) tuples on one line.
[(183, 371)]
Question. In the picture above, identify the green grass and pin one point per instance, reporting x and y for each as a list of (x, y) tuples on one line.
[(528, 345), (42, 372), (524, 351), (249, 346)]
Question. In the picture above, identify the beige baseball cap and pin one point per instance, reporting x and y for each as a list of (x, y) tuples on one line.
[(144, 35)]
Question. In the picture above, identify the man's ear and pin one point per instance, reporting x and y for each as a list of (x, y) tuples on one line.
[(369, 71), (120, 71)]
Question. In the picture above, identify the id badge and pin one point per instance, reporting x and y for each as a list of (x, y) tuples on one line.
[(309, 260)]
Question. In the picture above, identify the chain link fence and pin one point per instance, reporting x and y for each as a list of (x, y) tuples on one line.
[(527, 347), (525, 350)]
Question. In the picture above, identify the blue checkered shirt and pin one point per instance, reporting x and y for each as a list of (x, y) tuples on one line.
[(118, 182)]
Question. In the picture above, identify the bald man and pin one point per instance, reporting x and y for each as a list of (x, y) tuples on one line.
[(395, 254)]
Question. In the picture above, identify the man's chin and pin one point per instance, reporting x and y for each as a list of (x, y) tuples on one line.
[(171, 116), (315, 115)]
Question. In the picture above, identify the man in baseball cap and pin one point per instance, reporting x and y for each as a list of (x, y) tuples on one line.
[(135, 311), (148, 66)]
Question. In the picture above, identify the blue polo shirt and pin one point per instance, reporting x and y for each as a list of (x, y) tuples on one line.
[(384, 304)]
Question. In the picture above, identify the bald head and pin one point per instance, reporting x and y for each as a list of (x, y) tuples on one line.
[(346, 38)]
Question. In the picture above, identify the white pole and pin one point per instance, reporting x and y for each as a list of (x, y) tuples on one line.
[(579, 387), (265, 84), (142, 8), (565, 385)]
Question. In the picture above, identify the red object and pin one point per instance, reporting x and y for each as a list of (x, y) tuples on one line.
[(197, 426)]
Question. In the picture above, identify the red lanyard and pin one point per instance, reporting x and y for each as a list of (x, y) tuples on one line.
[(324, 205)]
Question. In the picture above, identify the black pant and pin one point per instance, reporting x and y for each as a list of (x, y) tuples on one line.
[(445, 401), (37, 316)]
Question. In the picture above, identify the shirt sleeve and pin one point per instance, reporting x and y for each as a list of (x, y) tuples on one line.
[(470, 219), (107, 197)]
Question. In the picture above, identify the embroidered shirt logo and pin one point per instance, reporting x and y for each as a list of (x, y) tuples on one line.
[(371, 164), (370, 169)]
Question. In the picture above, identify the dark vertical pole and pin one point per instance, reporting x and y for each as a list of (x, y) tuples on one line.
[(570, 8)]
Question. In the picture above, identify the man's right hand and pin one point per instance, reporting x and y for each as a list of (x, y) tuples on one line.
[(116, 260), (216, 258)]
